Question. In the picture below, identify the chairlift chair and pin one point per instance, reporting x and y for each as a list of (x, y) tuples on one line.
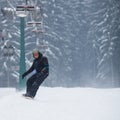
[(25, 8), (34, 23), (43, 46), (37, 31), (22, 10)]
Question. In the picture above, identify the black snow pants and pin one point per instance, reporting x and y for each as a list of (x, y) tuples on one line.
[(33, 84)]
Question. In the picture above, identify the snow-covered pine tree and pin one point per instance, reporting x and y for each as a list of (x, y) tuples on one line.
[(104, 28)]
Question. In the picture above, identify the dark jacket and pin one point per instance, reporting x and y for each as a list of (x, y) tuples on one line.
[(40, 65)]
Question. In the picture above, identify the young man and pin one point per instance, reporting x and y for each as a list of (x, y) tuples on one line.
[(40, 67)]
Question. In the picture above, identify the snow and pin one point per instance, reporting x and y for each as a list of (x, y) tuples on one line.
[(61, 104)]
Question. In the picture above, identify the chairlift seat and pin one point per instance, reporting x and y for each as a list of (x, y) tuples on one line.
[(25, 8), (33, 23)]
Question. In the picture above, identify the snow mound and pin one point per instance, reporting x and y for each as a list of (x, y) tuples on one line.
[(61, 104)]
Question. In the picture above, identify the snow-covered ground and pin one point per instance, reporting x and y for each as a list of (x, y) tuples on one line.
[(61, 104)]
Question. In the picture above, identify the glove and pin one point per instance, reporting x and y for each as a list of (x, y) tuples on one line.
[(23, 75)]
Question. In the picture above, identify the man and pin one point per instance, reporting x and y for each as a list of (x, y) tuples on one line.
[(40, 67)]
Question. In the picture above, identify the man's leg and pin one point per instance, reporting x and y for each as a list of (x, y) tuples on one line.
[(30, 82), (36, 85)]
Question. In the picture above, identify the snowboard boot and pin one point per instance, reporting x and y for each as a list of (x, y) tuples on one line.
[(28, 95)]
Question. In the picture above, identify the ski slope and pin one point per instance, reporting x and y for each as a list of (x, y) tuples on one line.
[(61, 104)]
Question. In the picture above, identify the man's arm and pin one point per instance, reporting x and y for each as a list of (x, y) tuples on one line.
[(46, 66), (45, 69), (28, 71)]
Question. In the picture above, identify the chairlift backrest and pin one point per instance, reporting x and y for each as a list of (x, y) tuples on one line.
[(25, 8)]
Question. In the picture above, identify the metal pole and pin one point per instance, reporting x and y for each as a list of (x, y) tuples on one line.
[(22, 54), (9, 72)]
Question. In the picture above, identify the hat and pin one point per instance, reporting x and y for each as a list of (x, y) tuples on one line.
[(35, 51)]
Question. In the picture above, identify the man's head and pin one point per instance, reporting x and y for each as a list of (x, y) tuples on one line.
[(36, 53)]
